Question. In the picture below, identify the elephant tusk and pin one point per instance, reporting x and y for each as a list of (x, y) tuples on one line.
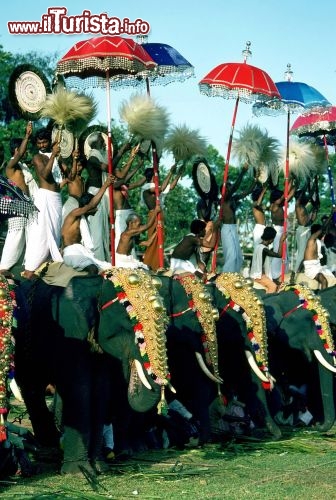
[(172, 388), (141, 374), (206, 370), (255, 367), (323, 361), (15, 390)]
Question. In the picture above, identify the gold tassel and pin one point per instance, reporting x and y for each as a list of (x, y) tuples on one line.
[(162, 406)]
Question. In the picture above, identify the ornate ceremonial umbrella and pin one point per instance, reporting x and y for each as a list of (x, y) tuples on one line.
[(315, 124), (105, 61), (13, 201), (294, 96), (242, 82)]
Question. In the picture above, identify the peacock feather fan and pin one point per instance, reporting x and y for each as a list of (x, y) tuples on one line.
[(184, 143), (146, 120), (247, 146), (301, 160), (66, 107)]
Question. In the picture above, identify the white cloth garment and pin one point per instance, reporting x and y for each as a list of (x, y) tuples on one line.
[(276, 262), (302, 235), (178, 265), (151, 185), (79, 257), (313, 267), (129, 261), (257, 263), (99, 228), (120, 223), (232, 253), (257, 233), (18, 227), (45, 234)]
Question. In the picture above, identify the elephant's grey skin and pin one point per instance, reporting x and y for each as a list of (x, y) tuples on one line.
[(292, 340), (238, 377), (52, 346)]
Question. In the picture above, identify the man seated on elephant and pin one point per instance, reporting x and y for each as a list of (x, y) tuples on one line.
[(313, 268), (261, 265), (187, 251), (134, 228), (75, 253)]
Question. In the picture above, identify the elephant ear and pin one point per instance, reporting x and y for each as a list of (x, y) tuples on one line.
[(140, 398)]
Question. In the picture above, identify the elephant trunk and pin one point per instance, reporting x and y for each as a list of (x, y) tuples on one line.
[(206, 370)]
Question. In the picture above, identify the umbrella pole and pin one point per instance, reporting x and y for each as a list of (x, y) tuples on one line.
[(159, 226), (225, 178), (110, 168), (330, 176), (284, 245)]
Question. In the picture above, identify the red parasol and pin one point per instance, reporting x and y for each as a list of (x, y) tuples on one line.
[(104, 62), (242, 82), (319, 123)]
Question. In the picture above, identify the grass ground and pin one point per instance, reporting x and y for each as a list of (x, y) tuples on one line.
[(301, 466)]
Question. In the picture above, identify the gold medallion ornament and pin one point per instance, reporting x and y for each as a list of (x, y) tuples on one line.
[(308, 300), (207, 316), (243, 299), (136, 290)]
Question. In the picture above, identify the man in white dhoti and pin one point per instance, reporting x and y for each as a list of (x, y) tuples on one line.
[(124, 257), (75, 253), (44, 236), (232, 252), (313, 268), (261, 261), (188, 250), (304, 219), (18, 227), (277, 199), (97, 164)]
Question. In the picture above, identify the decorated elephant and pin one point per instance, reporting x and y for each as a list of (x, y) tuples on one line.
[(242, 347), (192, 345), (301, 347), (81, 369)]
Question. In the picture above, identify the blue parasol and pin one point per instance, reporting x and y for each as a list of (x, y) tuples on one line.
[(295, 97)]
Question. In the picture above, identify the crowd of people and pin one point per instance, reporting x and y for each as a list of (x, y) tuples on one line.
[(76, 231)]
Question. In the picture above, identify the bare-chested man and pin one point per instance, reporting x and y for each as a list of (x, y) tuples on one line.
[(277, 199), (148, 198), (124, 257), (313, 268), (45, 235), (188, 249), (258, 213), (121, 188), (18, 227), (75, 254), (304, 218), (75, 184), (232, 253)]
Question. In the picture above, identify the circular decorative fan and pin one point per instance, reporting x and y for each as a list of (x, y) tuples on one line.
[(67, 140), (83, 141), (202, 178), (27, 90)]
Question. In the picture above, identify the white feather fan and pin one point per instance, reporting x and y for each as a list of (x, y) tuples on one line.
[(184, 143), (301, 160), (146, 120)]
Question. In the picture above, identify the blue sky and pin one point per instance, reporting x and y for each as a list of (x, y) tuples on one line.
[(300, 32)]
